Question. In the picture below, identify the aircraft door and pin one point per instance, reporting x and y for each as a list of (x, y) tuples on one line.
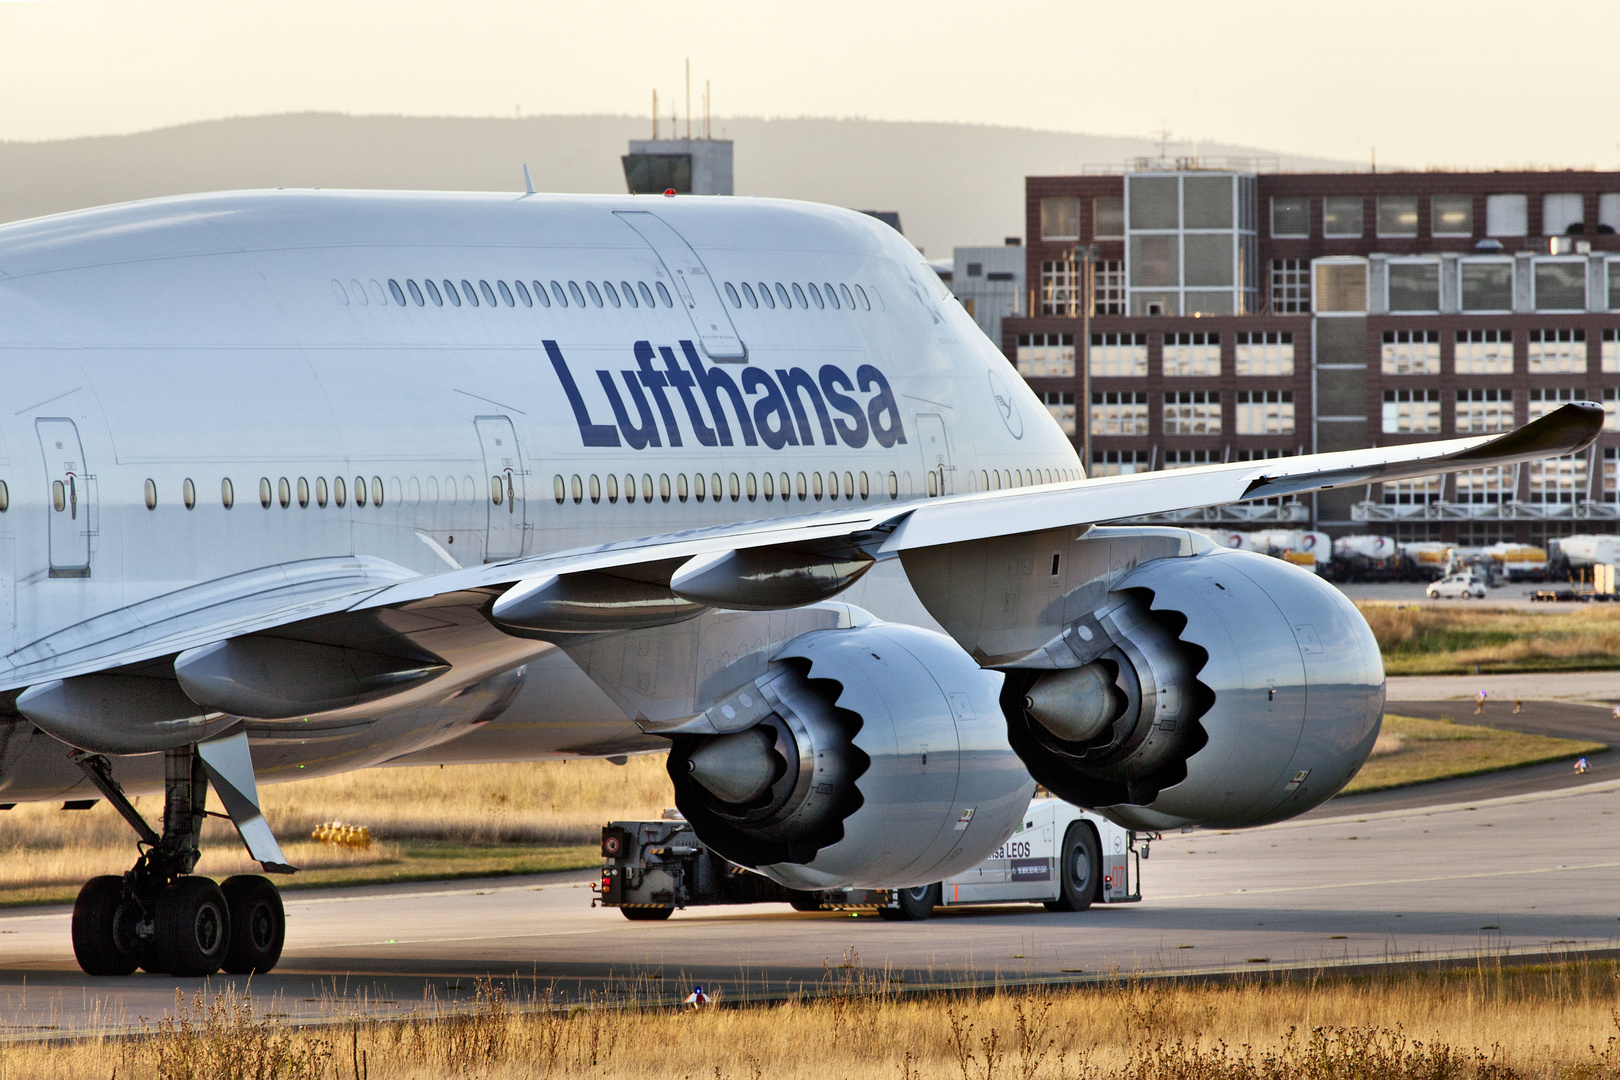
[(504, 468), (936, 454), (695, 290), (67, 500)]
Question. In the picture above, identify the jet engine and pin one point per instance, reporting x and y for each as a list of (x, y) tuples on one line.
[(1222, 689), (875, 756)]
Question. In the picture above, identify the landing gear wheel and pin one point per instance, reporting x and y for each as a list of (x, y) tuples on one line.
[(803, 901), (915, 904), (104, 919), (647, 914), (258, 924), (193, 927), (1079, 870)]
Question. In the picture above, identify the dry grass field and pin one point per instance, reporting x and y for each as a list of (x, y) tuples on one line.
[(1419, 640), (1557, 1022), (1411, 751)]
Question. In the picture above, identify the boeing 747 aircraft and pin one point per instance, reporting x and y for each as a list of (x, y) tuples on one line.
[(297, 482)]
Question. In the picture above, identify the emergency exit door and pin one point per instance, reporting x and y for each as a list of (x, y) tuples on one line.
[(936, 453), (504, 469), (67, 499)]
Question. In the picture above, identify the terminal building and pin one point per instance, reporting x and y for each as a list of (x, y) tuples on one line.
[(1237, 314)]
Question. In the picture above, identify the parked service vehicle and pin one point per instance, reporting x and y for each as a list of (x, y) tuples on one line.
[(1457, 587), (1062, 856)]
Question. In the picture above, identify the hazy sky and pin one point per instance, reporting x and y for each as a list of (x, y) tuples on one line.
[(1483, 83)]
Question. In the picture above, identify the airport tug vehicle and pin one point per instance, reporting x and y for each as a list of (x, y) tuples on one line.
[(1059, 855)]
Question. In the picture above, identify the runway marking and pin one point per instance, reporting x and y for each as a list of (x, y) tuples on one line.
[(1390, 881)]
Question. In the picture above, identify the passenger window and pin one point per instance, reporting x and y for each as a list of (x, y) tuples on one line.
[(523, 293), (359, 491), (559, 488), (832, 485), (416, 294), (612, 488), (731, 294), (358, 291), (612, 293), (646, 294), (804, 490), (894, 486), (264, 492), (596, 295), (714, 487), (468, 486), (699, 488), (753, 488), (782, 295), (433, 292), (451, 294), (866, 485), (849, 486), (188, 494), (849, 301), (472, 298), (320, 491), (393, 288), (630, 487), (933, 483), (646, 487), (284, 492), (984, 480), (59, 496), (681, 490), (340, 491), (227, 493), (866, 305), (736, 488), (541, 295), (557, 291), (748, 294), (815, 485), (506, 294), (832, 294), (770, 486), (579, 297), (815, 295), (629, 294), (577, 485), (377, 293), (303, 493), (596, 489), (785, 485), (798, 294), (663, 486), (151, 494), (765, 295), (663, 294), (489, 293), (338, 291)]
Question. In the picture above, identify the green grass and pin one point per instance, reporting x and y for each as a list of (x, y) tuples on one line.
[(1416, 751)]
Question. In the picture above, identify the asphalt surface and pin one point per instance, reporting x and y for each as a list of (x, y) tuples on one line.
[(1452, 870)]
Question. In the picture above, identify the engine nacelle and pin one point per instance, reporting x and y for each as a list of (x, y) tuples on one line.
[(1222, 689), (875, 756)]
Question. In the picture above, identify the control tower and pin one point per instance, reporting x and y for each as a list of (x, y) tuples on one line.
[(689, 166)]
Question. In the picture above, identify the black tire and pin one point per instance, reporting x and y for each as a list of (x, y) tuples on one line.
[(803, 901), (258, 924), (915, 904), (1079, 870), (193, 928), (104, 919), (647, 914)]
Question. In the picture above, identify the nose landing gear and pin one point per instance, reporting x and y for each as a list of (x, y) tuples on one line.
[(161, 917)]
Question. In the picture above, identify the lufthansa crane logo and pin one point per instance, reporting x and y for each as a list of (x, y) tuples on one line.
[(1006, 406)]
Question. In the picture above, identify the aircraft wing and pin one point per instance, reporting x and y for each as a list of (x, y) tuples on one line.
[(432, 625)]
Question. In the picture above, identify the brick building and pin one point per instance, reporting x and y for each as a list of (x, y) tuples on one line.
[(1243, 315)]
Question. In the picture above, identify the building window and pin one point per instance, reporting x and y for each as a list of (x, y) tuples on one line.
[(1108, 217), (1192, 354), (1544, 400), (1341, 215), (1507, 215), (1290, 286), (1611, 409), (1485, 486), (1119, 356), (1487, 284), (1192, 412), (1265, 412), (1562, 214), (1060, 403), (1558, 480), (1484, 410), (1045, 355), (1611, 352), (1060, 218), (1451, 215), (1060, 287), (1556, 352), (1119, 413), (1483, 352), (1397, 215), (1108, 287), (1265, 455), (1611, 459), (1118, 462), (1418, 491), (1341, 286), (1414, 285), (1269, 352), (1411, 412), (1290, 215), (1560, 284), (1613, 268), (1187, 459), (1411, 352)]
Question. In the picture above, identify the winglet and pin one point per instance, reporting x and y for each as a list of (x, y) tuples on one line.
[(528, 184)]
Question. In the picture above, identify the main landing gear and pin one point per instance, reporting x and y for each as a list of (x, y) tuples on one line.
[(159, 916)]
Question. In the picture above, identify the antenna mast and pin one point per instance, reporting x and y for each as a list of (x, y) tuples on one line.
[(688, 97), (655, 114)]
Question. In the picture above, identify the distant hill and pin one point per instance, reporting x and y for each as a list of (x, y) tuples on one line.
[(953, 184)]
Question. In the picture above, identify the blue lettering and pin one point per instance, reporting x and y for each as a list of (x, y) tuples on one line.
[(592, 434), (779, 434), (855, 432), (682, 382), (638, 437), (656, 382), (797, 382), (712, 382), (888, 433)]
